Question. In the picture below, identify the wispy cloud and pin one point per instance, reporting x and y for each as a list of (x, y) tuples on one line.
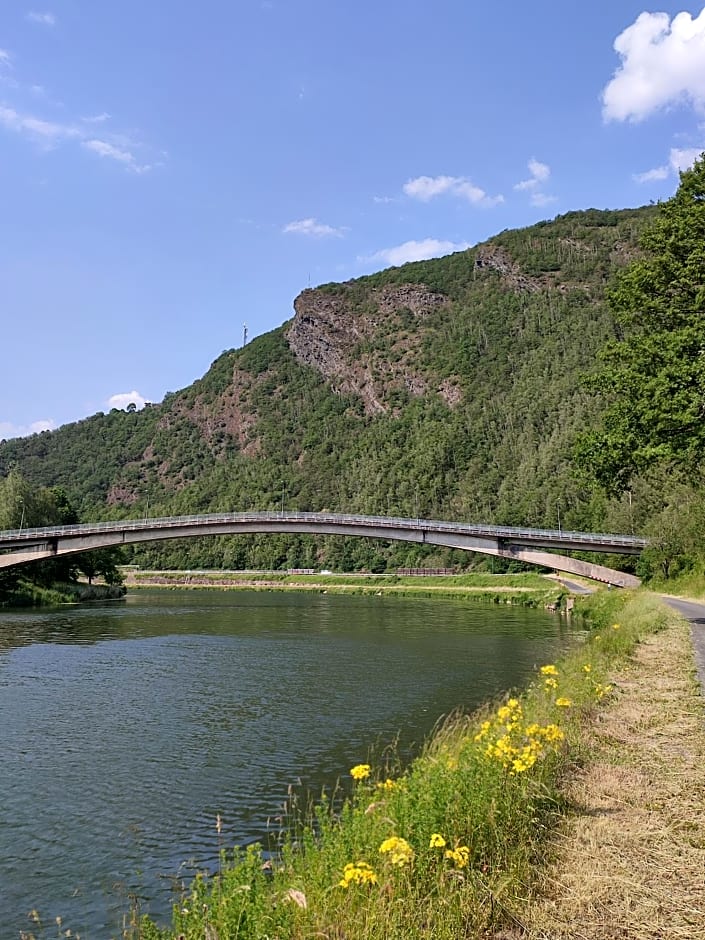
[(662, 65), (43, 19), (425, 188), (313, 229), (96, 118), (540, 172), (8, 429), (679, 159), (126, 157), (49, 134), (542, 199), (416, 251)]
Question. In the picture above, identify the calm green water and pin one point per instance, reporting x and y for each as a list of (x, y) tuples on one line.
[(125, 728)]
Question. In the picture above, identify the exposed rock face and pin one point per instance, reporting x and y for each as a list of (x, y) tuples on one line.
[(335, 333), (493, 258)]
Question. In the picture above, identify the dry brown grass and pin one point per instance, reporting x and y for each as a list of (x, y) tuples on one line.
[(630, 861)]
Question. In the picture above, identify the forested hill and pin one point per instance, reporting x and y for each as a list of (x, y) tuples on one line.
[(443, 388)]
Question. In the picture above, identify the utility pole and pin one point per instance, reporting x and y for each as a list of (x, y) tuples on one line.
[(244, 334)]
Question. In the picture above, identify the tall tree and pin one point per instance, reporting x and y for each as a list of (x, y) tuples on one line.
[(653, 376)]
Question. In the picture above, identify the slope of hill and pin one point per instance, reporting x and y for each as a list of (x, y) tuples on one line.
[(447, 387)]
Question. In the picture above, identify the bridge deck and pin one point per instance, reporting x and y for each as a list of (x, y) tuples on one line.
[(558, 538)]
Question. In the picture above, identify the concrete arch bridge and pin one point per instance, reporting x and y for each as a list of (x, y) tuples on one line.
[(20, 546)]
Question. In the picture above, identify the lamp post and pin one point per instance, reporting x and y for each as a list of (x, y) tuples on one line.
[(558, 507)]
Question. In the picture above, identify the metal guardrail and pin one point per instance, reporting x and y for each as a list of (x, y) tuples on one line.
[(557, 536)]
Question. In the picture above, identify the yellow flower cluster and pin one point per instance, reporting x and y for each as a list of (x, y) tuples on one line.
[(359, 873), (460, 856), (360, 771), (601, 690), (550, 683), (510, 714), (549, 670), (516, 746), (387, 784), (587, 668), (399, 851), (615, 626), (437, 841), (564, 702)]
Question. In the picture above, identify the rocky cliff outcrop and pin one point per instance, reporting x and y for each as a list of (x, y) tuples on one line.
[(348, 338)]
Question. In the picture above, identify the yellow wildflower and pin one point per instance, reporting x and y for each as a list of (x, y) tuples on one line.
[(360, 771), (387, 784), (615, 626), (552, 733), (399, 851), (359, 873), (460, 856), (549, 670), (564, 702), (437, 841), (484, 730), (551, 683), (587, 668)]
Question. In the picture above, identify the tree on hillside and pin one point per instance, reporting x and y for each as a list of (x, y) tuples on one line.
[(653, 376)]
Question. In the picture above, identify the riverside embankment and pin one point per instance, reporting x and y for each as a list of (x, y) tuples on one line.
[(462, 843)]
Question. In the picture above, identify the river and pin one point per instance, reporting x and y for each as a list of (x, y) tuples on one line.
[(126, 728)]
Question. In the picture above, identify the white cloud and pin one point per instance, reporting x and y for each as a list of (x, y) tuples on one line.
[(96, 118), (540, 172), (312, 228), (126, 157), (678, 160), (5, 58), (8, 429), (650, 176), (44, 19), (683, 159), (425, 188), (416, 251), (663, 63), (48, 132), (542, 199), (123, 399)]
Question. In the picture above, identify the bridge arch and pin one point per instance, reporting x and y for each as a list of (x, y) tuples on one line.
[(527, 545)]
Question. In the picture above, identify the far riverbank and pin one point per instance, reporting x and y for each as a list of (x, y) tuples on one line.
[(525, 589)]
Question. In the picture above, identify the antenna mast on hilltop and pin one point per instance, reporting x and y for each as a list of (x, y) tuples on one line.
[(244, 334)]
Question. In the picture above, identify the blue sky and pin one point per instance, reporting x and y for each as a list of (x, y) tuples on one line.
[(172, 170)]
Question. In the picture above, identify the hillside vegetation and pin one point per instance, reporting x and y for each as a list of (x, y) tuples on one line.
[(449, 388)]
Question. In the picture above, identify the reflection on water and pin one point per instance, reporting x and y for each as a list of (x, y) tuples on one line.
[(126, 728)]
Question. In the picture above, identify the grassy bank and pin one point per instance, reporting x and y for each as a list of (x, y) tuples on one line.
[(449, 848), (27, 594), (529, 589)]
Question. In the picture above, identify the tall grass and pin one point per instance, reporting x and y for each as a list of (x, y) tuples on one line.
[(446, 849)]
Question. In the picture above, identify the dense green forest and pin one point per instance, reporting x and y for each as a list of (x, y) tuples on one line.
[(450, 388)]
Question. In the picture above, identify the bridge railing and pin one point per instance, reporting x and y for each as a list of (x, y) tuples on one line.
[(387, 522)]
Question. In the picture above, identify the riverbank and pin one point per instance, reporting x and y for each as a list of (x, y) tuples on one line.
[(454, 846), (526, 589), (27, 594)]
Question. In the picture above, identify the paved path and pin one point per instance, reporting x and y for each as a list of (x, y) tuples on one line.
[(695, 612)]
